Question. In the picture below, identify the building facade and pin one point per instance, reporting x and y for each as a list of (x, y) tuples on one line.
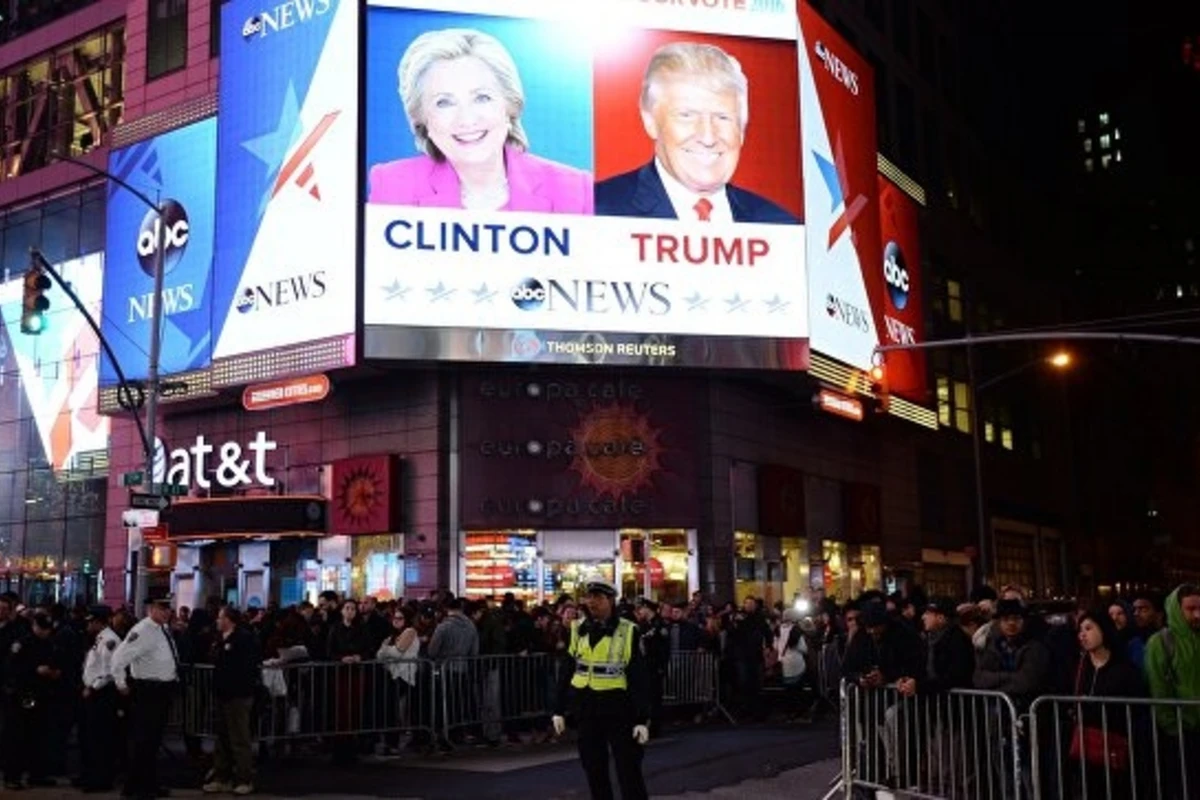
[(410, 477)]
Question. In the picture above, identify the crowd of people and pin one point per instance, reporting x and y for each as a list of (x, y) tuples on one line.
[(57, 673), (1145, 648)]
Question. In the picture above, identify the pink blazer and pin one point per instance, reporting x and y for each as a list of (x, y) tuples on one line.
[(534, 184)]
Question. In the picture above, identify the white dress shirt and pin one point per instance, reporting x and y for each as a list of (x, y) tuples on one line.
[(149, 654), (684, 200), (97, 664)]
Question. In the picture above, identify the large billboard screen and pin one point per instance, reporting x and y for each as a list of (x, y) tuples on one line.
[(841, 194), (550, 183), (177, 170), (902, 301), (287, 175), (58, 370)]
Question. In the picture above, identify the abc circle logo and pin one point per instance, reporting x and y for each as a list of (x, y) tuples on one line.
[(529, 294), (247, 301), (172, 228), (895, 275)]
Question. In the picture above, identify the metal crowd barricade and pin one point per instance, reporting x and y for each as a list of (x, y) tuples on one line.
[(484, 692), (693, 678), (1110, 747), (325, 699), (964, 744)]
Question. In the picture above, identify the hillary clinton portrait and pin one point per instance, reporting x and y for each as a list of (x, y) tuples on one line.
[(463, 98)]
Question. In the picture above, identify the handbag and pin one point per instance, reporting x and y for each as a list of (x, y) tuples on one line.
[(1092, 746)]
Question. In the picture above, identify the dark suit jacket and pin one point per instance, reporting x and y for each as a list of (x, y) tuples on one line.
[(641, 193)]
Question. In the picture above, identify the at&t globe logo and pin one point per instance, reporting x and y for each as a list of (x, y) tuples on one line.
[(895, 275), (170, 228), (529, 294)]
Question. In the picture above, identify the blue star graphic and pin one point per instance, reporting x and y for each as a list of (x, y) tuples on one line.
[(832, 182), (483, 294), (439, 292), (776, 304), (395, 291), (696, 302), (272, 148)]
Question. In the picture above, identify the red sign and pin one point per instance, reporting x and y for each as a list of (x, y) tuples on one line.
[(366, 495), (286, 392), (157, 533), (903, 320), (840, 405)]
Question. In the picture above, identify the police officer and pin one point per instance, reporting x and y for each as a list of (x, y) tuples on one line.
[(33, 675), (146, 666), (656, 650), (99, 703), (608, 688)]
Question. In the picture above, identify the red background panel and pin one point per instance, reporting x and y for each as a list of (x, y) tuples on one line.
[(900, 218), (770, 159)]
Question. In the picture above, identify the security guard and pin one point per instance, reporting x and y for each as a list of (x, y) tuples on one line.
[(656, 650), (34, 670), (150, 657), (609, 691), (99, 703)]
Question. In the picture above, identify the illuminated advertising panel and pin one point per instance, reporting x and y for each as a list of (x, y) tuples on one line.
[(58, 369), (903, 305), (611, 182), (178, 171), (287, 168), (841, 194)]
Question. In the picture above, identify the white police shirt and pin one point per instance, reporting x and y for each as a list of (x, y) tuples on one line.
[(97, 664), (148, 652)]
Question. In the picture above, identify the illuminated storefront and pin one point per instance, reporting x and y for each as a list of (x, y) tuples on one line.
[(542, 565)]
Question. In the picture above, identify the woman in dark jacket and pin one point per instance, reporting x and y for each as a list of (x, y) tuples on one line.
[(1099, 748), (349, 644)]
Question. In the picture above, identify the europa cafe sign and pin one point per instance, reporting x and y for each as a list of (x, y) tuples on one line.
[(202, 464)]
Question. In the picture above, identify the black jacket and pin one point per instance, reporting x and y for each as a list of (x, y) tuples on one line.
[(348, 640), (898, 653), (641, 193), (949, 662), (237, 665), (1117, 678)]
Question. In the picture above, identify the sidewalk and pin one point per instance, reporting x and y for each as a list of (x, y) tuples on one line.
[(810, 782)]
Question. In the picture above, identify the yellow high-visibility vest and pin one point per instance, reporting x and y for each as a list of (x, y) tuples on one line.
[(602, 668)]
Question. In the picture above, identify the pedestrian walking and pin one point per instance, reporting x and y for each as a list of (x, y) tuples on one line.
[(608, 687), (99, 732), (146, 667), (237, 674)]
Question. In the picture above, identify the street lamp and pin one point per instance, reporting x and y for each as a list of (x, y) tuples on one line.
[(152, 378), (1060, 360)]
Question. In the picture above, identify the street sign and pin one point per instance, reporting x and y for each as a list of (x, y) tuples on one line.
[(157, 533), (150, 501), (169, 490), (133, 478)]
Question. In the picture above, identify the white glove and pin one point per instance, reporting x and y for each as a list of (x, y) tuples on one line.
[(641, 734), (559, 724)]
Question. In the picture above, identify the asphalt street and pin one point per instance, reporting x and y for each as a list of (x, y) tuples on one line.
[(710, 761)]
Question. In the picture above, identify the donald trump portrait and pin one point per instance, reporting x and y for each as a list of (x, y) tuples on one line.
[(694, 107)]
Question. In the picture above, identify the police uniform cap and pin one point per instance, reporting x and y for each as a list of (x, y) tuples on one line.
[(598, 584), (100, 613)]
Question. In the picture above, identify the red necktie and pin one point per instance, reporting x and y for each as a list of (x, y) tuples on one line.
[(703, 209)]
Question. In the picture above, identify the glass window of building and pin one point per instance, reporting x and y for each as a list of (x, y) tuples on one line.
[(962, 406), (59, 101), (954, 302), (1087, 145), (377, 566), (1015, 560), (166, 37), (943, 401), (745, 566), (498, 562)]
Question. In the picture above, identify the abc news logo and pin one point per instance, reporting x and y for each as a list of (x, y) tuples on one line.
[(837, 68), (284, 16), (593, 296), (895, 275), (172, 228)]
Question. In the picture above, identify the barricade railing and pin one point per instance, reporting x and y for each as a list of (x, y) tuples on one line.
[(1109, 748), (482, 695), (962, 744), (829, 675)]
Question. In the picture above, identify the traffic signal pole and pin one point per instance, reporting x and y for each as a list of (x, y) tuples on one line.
[(148, 433)]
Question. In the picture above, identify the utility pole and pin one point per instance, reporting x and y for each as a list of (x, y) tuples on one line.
[(152, 380)]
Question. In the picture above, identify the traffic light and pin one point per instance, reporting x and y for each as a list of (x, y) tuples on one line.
[(879, 388), (35, 304)]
